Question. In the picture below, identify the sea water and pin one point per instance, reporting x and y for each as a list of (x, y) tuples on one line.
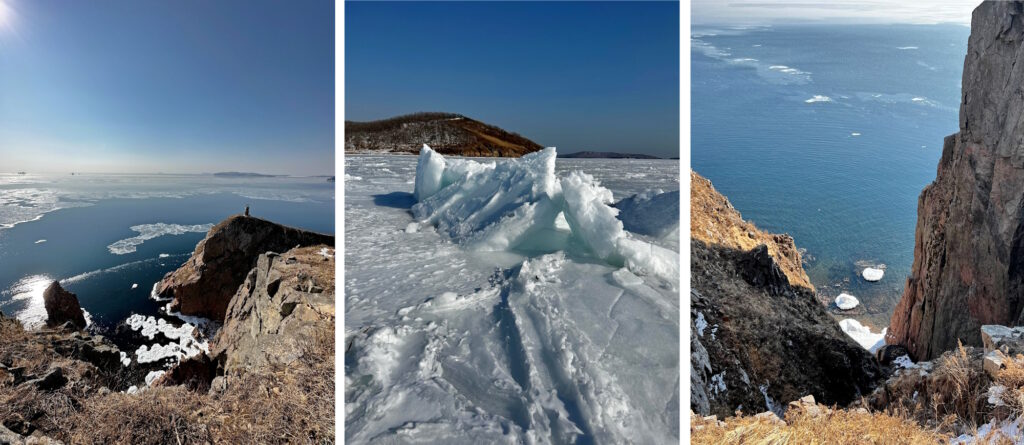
[(829, 133), (79, 230)]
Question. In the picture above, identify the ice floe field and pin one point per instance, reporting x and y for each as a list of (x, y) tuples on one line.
[(506, 301)]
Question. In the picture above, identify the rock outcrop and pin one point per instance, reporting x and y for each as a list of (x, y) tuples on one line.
[(277, 309), (714, 221), (968, 267), (205, 284), (62, 307), (761, 341), (446, 133)]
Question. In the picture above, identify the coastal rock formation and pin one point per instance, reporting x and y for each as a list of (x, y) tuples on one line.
[(278, 308), (714, 221), (968, 267), (761, 341), (205, 284), (446, 133), (62, 307)]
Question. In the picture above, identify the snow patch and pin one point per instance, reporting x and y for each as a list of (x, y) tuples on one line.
[(718, 383), (700, 324), (149, 231), (152, 376)]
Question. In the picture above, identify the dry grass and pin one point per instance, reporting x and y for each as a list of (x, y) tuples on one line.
[(286, 405), (801, 427)]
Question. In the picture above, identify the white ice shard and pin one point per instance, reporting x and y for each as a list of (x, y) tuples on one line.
[(519, 203), (863, 335)]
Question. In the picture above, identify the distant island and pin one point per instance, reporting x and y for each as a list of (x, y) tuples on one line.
[(244, 175), (445, 133), (605, 155)]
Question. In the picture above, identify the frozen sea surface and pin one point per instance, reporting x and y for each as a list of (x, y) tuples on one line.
[(448, 344)]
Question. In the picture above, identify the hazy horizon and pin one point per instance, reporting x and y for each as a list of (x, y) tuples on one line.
[(184, 87), (780, 12)]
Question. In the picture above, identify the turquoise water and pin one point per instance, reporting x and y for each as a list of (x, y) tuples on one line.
[(829, 133), (80, 218)]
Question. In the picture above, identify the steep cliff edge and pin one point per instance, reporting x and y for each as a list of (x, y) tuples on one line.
[(759, 341), (968, 265), (205, 284)]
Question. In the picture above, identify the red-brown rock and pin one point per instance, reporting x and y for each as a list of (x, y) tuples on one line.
[(62, 306)]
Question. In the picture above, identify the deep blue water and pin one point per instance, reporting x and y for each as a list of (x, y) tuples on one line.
[(77, 238), (796, 167)]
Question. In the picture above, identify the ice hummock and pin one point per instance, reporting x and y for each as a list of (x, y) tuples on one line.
[(519, 204)]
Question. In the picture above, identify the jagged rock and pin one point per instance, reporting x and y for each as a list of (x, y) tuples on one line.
[(205, 284), (91, 348), (968, 267), (196, 373), (760, 270), (887, 353), (767, 342), (276, 310), (62, 307)]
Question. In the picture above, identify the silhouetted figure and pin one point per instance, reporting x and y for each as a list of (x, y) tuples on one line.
[(246, 210)]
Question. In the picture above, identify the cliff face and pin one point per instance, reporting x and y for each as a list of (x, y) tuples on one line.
[(446, 133), (968, 265), (206, 283), (278, 307), (759, 341)]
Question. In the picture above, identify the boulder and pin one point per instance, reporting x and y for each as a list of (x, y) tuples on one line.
[(52, 380), (1008, 340), (993, 362), (62, 307)]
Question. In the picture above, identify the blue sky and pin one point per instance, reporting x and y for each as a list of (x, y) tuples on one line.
[(576, 75), (171, 86)]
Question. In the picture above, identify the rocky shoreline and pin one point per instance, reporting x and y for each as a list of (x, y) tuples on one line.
[(280, 302)]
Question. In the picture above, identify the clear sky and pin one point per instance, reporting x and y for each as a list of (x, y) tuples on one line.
[(580, 76), (832, 11), (183, 86)]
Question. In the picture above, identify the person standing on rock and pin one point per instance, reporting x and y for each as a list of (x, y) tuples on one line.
[(246, 210)]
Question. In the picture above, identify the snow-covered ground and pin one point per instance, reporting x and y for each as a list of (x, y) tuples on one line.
[(511, 309)]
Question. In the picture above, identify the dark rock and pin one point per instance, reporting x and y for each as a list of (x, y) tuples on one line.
[(62, 307), (886, 354), (195, 373), (760, 270), (52, 380)]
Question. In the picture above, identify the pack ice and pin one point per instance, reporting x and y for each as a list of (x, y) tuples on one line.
[(530, 315)]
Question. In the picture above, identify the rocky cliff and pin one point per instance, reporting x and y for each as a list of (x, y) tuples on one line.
[(760, 338), (206, 283), (446, 133), (968, 265)]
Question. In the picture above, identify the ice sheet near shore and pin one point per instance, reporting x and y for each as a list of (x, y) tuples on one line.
[(150, 231), (515, 205)]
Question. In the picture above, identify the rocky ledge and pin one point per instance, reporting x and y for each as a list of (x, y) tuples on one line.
[(759, 337), (206, 283)]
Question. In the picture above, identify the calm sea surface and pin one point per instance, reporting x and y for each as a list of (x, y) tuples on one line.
[(829, 134)]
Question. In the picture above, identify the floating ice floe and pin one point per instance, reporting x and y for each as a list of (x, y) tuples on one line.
[(906, 47), (135, 285), (186, 346), (846, 301), (818, 98), (863, 335), (150, 231), (873, 274), (515, 204), (163, 255), (855, 134), (40, 241)]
